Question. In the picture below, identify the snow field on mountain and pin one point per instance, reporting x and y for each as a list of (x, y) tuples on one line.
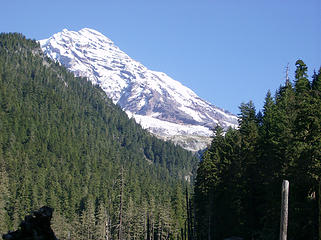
[(159, 103)]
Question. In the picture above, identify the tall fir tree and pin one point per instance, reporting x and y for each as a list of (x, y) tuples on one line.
[(245, 168)]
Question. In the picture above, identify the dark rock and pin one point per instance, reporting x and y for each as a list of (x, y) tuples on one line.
[(35, 226)]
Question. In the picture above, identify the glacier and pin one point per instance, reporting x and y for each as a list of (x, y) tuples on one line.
[(157, 102)]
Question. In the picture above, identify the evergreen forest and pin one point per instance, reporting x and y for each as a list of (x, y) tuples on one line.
[(64, 144), (238, 182)]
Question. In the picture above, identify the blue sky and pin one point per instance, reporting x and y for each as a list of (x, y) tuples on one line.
[(227, 51)]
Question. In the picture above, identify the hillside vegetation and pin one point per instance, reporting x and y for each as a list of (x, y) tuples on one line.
[(238, 183), (63, 143)]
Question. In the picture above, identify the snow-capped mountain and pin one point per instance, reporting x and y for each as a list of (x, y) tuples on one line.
[(159, 103)]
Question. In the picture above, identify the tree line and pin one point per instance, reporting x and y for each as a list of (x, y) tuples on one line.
[(238, 182)]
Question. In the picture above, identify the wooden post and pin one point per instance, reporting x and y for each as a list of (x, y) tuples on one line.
[(284, 210)]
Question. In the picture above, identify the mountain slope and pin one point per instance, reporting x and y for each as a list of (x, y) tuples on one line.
[(63, 143), (159, 103)]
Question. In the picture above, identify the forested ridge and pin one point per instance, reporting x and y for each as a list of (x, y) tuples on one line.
[(238, 183), (64, 144)]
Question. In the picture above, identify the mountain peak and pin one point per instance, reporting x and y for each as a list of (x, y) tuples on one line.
[(91, 31), (84, 35), (159, 103), (92, 34)]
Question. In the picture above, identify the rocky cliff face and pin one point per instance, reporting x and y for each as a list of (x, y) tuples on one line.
[(159, 103)]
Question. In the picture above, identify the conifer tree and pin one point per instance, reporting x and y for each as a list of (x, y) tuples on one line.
[(60, 226), (237, 189), (4, 198), (315, 170), (87, 221), (270, 166), (302, 84), (177, 203), (249, 130), (120, 203), (102, 223)]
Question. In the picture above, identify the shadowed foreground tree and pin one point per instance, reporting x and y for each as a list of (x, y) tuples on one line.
[(35, 226)]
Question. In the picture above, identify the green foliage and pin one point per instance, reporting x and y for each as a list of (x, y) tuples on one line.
[(238, 183), (4, 198), (63, 142)]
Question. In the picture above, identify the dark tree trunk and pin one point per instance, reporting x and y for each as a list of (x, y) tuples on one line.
[(191, 220), (188, 217), (120, 223), (185, 230), (161, 231), (148, 228), (209, 227)]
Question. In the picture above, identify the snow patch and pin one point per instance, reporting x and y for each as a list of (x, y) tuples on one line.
[(159, 103)]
